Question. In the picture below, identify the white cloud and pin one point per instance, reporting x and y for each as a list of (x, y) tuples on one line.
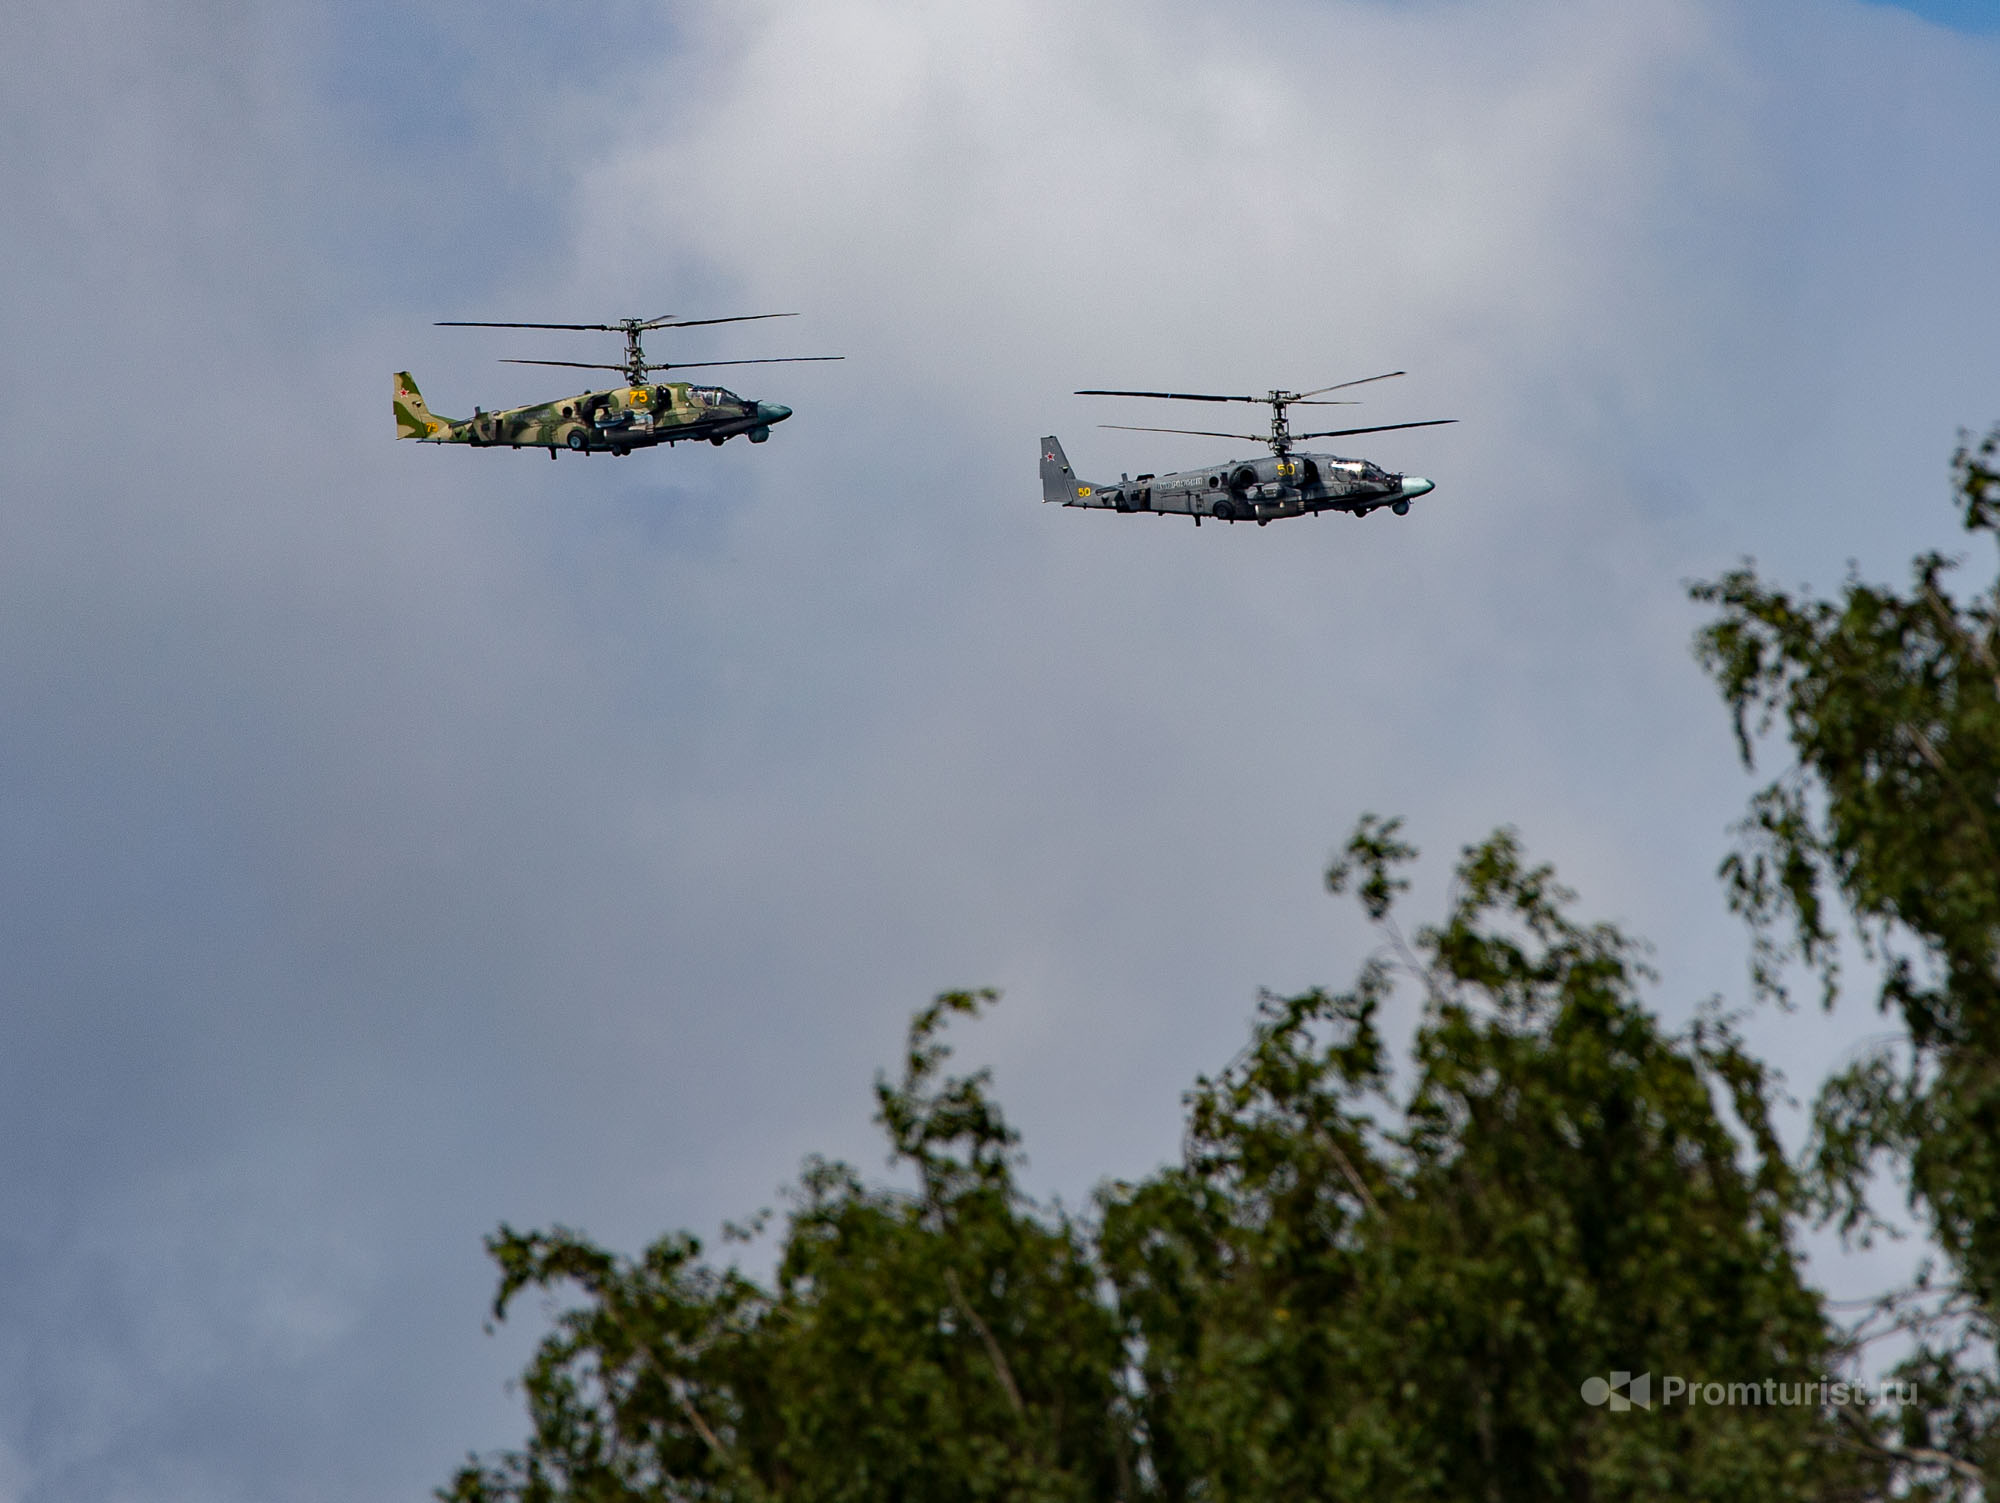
[(399, 841)]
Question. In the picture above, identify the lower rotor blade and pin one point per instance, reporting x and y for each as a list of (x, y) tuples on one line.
[(691, 365), (1378, 428), (580, 365), (1254, 438)]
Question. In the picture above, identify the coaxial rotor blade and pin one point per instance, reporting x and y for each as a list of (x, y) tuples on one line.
[(1254, 438), (689, 323), (1378, 428), (689, 365), (581, 365), (1195, 396), (475, 323), (664, 321), (1343, 385), (1171, 396)]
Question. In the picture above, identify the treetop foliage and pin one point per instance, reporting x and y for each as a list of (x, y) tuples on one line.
[(1343, 1290)]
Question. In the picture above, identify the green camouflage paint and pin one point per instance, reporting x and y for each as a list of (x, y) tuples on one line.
[(618, 419)]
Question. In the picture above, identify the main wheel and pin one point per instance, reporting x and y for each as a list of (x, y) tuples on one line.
[(1223, 512), (576, 440), (1401, 508)]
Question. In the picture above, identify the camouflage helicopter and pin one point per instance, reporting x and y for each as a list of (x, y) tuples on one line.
[(638, 415), (1287, 484)]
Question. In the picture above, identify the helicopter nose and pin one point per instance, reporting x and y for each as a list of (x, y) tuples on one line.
[(772, 412), (1416, 485)]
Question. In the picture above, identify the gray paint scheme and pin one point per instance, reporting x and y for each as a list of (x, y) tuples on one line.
[(1239, 490)]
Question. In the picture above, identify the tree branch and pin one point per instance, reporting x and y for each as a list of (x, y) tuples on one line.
[(1979, 816), (1911, 1455), (679, 1390), (677, 1386), (1000, 1368), (1347, 1168)]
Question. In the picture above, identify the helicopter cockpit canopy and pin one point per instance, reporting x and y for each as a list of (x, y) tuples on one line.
[(715, 396), (1360, 469)]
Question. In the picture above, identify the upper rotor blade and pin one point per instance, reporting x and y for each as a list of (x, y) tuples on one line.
[(1343, 385), (689, 365), (477, 323), (1172, 396), (1255, 438), (582, 365), (665, 322), (1378, 428)]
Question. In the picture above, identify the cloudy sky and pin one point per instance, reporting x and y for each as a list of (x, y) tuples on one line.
[(397, 840)]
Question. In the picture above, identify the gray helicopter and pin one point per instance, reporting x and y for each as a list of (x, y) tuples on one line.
[(1287, 484)]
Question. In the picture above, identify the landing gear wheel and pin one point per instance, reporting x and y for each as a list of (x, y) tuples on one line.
[(717, 442), (1224, 512), (1401, 508), (576, 441), (1263, 521), (1362, 511)]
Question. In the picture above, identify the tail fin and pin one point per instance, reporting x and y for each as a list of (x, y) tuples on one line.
[(413, 418), (1059, 482)]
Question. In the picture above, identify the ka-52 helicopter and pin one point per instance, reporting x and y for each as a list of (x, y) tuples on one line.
[(1287, 484), (637, 415)]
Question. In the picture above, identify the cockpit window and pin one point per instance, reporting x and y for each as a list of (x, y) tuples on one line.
[(715, 396)]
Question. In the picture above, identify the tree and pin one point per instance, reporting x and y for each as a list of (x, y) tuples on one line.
[(1332, 1306), (1343, 1290), (1888, 823), (941, 1343)]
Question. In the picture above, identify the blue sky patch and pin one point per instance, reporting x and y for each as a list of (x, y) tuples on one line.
[(1981, 16)]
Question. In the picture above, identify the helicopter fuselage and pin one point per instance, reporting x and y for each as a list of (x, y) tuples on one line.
[(616, 420), (1292, 484)]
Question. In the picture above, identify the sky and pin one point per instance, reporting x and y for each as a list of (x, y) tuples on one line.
[(396, 841)]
